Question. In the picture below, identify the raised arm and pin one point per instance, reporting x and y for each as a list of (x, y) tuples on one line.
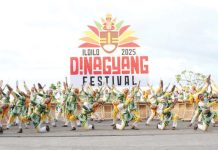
[(26, 88), (151, 88)]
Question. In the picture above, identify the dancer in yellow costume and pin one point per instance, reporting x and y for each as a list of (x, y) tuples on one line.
[(152, 100), (204, 106), (194, 100), (120, 99), (4, 105), (165, 106), (19, 109), (71, 107)]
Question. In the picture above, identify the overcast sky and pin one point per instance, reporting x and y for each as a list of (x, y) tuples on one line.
[(38, 37)]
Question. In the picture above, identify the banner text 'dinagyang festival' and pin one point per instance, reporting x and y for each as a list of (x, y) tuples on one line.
[(109, 55)]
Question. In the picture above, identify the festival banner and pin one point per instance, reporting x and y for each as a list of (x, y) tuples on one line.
[(109, 54)]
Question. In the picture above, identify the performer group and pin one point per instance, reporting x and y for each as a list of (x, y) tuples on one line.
[(26, 106)]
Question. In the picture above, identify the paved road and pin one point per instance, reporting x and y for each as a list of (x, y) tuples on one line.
[(106, 138)]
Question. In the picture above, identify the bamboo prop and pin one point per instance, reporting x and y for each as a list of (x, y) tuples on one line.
[(66, 82), (173, 89), (40, 86), (137, 88), (34, 86), (151, 88), (1, 83), (160, 88), (9, 87), (166, 88), (17, 83), (17, 87)]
